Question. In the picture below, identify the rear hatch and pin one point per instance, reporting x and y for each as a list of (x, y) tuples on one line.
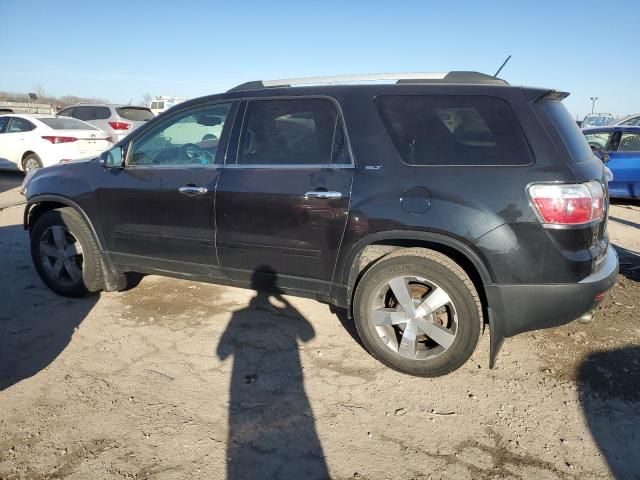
[(135, 116), (586, 168)]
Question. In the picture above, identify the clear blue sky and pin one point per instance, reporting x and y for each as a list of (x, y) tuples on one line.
[(122, 50)]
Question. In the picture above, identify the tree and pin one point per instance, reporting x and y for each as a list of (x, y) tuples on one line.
[(146, 99)]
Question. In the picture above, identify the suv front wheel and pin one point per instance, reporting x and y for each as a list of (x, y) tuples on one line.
[(65, 253), (418, 312)]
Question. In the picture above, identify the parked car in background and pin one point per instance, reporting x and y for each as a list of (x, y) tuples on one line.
[(427, 207), (621, 144), (163, 103), (597, 120), (28, 142), (630, 120), (117, 120)]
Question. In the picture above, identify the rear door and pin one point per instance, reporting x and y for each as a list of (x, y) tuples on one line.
[(16, 140), (157, 212), (5, 145), (283, 197)]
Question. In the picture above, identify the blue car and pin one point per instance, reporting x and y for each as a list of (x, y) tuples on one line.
[(622, 144)]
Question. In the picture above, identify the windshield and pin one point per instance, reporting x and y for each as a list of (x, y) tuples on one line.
[(65, 123), (571, 135)]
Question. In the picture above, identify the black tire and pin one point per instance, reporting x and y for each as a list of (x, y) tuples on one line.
[(31, 162), (441, 271), (90, 280)]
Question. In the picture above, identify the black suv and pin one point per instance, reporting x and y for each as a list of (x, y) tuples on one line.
[(427, 207)]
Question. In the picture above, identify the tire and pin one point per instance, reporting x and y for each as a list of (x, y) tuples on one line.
[(71, 271), (428, 279), (31, 162)]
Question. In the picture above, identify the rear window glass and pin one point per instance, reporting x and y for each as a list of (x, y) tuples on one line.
[(63, 123), (567, 128), (135, 114), (454, 130)]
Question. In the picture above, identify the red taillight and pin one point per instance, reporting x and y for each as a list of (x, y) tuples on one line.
[(54, 139), (120, 125), (572, 204)]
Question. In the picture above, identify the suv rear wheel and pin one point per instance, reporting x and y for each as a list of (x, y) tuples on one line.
[(65, 253), (418, 312)]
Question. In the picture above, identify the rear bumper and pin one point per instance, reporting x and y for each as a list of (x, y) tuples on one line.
[(521, 308)]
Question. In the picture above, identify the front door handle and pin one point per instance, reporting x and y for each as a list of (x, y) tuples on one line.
[(323, 195), (192, 190)]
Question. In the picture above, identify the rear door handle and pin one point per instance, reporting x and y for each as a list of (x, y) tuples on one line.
[(192, 190), (323, 195)]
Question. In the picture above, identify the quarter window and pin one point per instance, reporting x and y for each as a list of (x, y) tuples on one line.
[(454, 130), (189, 138), (292, 132)]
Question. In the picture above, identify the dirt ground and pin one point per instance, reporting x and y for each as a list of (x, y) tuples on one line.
[(174, 379)]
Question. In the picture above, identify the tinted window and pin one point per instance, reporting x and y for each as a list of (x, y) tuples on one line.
[(135, 114), (88, 112), (190, 138), (598, 139), (101, 113), (566, 127), (454, 130), (292, 132), (4, 121), (630, 142), (64, 123), (20, 125), (67, 112)]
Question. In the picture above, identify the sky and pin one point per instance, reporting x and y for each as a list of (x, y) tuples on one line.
[(121, 51)]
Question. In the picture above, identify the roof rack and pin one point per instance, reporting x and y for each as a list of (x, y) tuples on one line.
[(462, 77)]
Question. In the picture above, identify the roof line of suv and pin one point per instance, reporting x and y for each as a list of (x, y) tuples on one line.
[(454, 77)]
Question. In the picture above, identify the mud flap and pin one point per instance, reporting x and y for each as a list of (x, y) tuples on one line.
[(496, 339)]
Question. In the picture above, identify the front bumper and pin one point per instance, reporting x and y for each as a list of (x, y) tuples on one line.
[(515, 309)]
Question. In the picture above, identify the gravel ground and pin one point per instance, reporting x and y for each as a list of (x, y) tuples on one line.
[(174, 379)]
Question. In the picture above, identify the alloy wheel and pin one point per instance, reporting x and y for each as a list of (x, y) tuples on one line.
[(61, 255)]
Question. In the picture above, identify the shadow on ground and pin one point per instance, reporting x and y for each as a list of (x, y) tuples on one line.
[(271, 425), (629, 263), (35, 324), (609, 385), (9, 180)]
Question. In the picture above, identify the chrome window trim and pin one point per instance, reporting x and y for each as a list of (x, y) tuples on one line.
[(290, 166)]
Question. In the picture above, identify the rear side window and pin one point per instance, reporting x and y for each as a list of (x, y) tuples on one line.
[(454, 130), (20, 125), (292, 132), (84, 113), (135, 114), (570, 133), (64, 123), (101, 113)]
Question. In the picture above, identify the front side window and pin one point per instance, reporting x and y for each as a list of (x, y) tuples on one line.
[(630, 142), (453, 130), (189, 138), (598, 139), (20, 125), (306, 131)]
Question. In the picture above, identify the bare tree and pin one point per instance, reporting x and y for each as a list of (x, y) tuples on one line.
[(146, 99), (39, 91)]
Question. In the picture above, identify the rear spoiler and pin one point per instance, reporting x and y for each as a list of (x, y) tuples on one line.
[(550, 96)]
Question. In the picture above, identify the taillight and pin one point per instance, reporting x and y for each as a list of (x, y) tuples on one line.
[(120, 125), (54, 139), (568, 204)]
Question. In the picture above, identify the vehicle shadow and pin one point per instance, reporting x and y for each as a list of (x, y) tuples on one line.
[(609, 389), (9, 180), (629, 262), (272, 430), (36, 325)]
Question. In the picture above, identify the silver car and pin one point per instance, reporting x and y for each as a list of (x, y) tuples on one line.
[(117, 120)]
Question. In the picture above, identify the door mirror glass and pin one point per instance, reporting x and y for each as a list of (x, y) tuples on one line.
[(113, 158)]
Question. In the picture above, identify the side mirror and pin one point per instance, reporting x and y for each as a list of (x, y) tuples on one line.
[(113, 158)]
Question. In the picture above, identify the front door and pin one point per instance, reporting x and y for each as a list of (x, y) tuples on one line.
[(283, 196), (624, 162), (157, 212)]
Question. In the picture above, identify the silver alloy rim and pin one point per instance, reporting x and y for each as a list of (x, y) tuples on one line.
[(61, 255), (414, 317), (30, 164)]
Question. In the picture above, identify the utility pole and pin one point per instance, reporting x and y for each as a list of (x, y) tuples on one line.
[(593, 103)]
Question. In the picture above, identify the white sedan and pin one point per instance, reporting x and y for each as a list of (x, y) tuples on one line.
[(36, 141)]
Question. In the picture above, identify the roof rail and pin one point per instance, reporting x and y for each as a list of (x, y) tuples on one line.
[(416, 77)]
